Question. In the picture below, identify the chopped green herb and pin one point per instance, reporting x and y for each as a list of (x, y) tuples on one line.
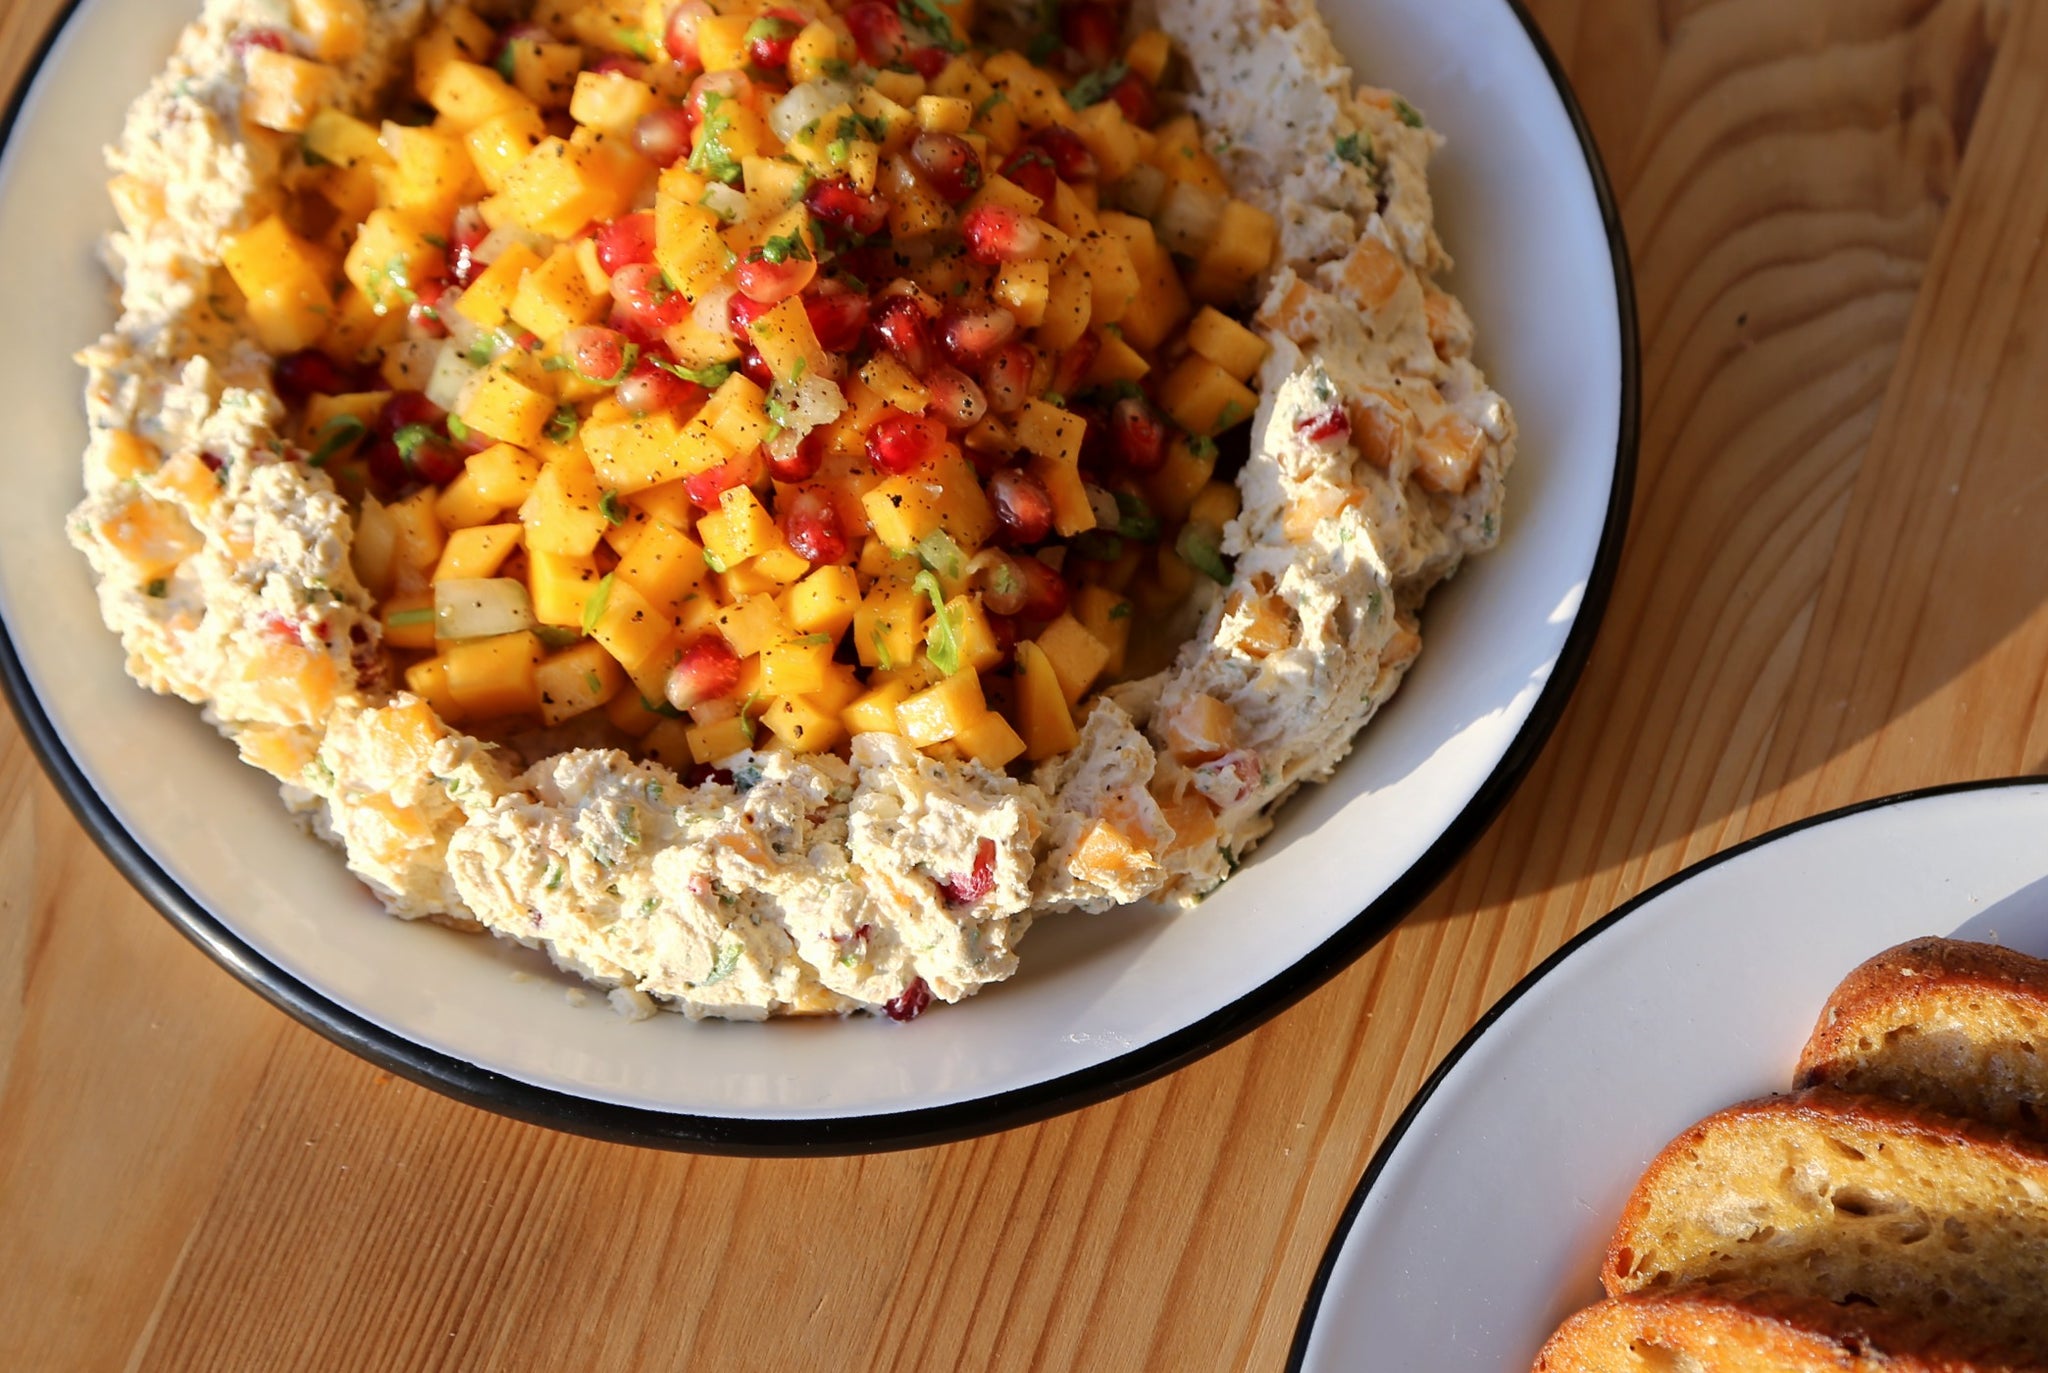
[(940, 554), (835, 69), (936, 23), (1202, 446), (724, 965), (562, 427), (997, 97), (783, 248), (747, 716), (410, 439), (608, 506), (158, 588), (504, 64), (555, 874), (1407, 113), (942, 636), (1354, 148), (1200, 546), (883, 658), (337, 435), (1231, 413), (714, 562), (634, 41), (600, 599), (1120, 611), (1094, 88), (457, 430), (400, 619), (627, 360), (662, 708), (596, 685), (710, 378), (1137, 522)]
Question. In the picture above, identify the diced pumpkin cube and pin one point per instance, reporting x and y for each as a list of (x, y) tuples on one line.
[(408, 620), (628, 626), (432, 174), (561, 586), (128, 455), (610, 101), (1204, 399), (796, 667), (428, 680), (488, 301), (668, 743), (824, 602), (578, 679), (564, 513), (497, 403), (631, 714), (1107, 617), (495, 676), (150, 535), (391, 253), (740, 528), (737, 413), (459, 36), (465, 94), (1068, 305), (893, 382), (720, 739), (556, 296), (664, 564), (338, 137), (545, 72), (502, 142), (1043, 716), (373, 551), (802, 725), (1077, 657), (787, 343), (284, 92), (1072, 512), (904, 509), (668, 502), (1447, 455), (1241, 249), (419, 538), (552, 192), (1161, 302), (974, 636), (752, 625), (504, 474), (1173, 487), (813, 52), (1225, 342), (1116, 361), (991, 741), (687, 246), (841, 689), (1026, 288), (874, 711), (335, 30), (937, 713), (284, 282), (888, 628), (1107, 854), (633, 454), (478, 551)]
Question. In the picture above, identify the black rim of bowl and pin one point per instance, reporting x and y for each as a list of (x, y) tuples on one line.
[(478, 1086), (1383, 1157)]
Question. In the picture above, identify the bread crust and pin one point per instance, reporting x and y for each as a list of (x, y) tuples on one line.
[(1731, 1328)]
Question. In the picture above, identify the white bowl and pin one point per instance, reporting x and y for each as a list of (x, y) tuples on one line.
[(1481, 1222), (1103, 1003)]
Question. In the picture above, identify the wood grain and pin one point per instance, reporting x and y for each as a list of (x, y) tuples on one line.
[(1832, 589)]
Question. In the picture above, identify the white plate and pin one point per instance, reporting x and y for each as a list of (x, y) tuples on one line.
[(1481, 1223), (1102, 1003)]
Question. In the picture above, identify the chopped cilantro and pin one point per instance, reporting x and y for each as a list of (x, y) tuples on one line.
[(942, 637), (783, 248), (1200, 546), (158, 588), (1120, 611), (1094, 88), (627, 361), (608, 506), (600, 599), (935, 22), (1202, 446), (634, 41), (457, 430), (1137, 522), (1407, 113), (997, 97), (714, 562), (335, 436), (884, 659), (747, 715), (410, 439), (1354, 148), (1230, 414), (562, 426), (504, 64), (555, 874), (724, 965), (835, 69), (710, 378)]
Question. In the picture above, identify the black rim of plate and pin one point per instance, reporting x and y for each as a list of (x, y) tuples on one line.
[(1383, 1157), (478, 1086)]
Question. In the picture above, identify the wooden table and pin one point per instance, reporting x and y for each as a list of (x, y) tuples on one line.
[(1836, 586)]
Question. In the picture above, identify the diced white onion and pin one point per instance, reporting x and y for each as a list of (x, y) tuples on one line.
[(452, 372), (478, 607), (1188, 218), (504, 236), (709, 314), (727, 202), (807, 103), (463, 331)]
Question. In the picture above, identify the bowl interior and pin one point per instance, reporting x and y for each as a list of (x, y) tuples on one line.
[(1518, 209)]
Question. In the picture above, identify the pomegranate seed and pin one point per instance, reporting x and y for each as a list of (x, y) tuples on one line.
[(839, 316), (970, 336), (1045, 591), (272, 39), (406, 408), (949, 163), (1134, 98), (769, 38), (1001, 584), (810, 524), (1033, 170), (651, 389), (708, 670), (435, 460), (626, 241), (1140, 434), (912, 1004), (1007, 378), (704, 488), (1070, 156), (680, 38), (388, 475), (756, 369), (802, 463), (424, 314), (1004, 628), (464, 239), (663, 136), (1092, 31), (770, 282), (840, 205), (310, 372), (970, 886), (877, 32), (644, 299), (902, 443), (1330, 426), (598, 354), (956, 399), (997, 234), (928, 62), (900, 327), (1023, 506), (741, 312)]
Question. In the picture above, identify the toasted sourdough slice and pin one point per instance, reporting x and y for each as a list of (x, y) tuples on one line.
[(1956, 1027), (1850, 1198), (1736, 1329)]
